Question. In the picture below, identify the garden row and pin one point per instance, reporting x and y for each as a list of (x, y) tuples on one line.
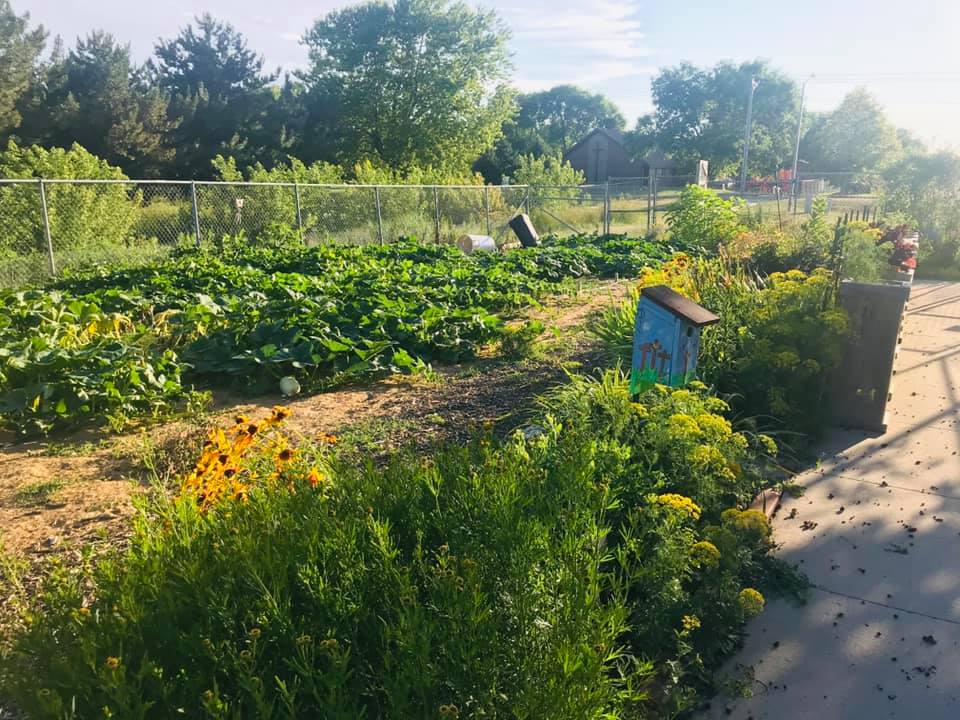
[(117, 345)]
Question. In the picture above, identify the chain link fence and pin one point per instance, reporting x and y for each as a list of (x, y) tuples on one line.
[(52, 226)]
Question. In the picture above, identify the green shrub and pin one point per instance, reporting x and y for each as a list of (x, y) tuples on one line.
[(701, 218), (551, 179), (80, 215), (861, 259), (562, 575), (462, 582), (774, 348)]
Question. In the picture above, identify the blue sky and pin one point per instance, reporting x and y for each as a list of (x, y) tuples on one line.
[(907, 54)]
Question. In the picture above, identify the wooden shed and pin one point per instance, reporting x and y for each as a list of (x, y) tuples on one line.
[(601, 155)]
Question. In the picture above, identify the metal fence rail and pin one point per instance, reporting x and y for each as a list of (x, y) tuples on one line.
[(56, 225)]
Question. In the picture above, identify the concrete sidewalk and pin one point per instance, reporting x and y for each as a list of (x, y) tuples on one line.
[(878, 533)]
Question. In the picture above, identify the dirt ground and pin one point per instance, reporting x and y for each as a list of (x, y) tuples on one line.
[(59, 495)]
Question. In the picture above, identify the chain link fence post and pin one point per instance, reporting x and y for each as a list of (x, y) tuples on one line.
[(196, 211), (436, 212), (654, 182), (376, 197), (45, 217), (606, 208), (296, 199), (486, 207)]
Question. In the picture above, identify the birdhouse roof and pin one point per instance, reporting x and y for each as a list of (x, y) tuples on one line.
[(679, 305)]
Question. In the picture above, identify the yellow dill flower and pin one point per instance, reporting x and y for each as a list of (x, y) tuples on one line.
[(749, 522), (640, 409), (690, 623), (751, 602), (705, 554), (681, 426), (768, 444), (713, 426), (679, 503)]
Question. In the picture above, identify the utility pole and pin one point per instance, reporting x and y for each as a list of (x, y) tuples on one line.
[(746, 136), (794, 182)]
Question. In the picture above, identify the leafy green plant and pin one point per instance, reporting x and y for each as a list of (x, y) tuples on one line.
[(774, 348), (701, 218), (113, 346), (37, 493)]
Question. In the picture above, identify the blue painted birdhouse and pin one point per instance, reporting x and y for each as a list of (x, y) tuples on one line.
[(666, 341)]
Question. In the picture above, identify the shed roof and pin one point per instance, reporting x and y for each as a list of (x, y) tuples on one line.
[(679, 305), (615, 135)]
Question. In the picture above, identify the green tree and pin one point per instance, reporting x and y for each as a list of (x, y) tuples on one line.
[(546, 123), (564, 114), (855, 137), (411, 82), (20, 48), (925, 187), (220, 92), (95, 96), (700, 113)]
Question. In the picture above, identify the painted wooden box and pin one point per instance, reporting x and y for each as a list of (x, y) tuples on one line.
[(666, 340)]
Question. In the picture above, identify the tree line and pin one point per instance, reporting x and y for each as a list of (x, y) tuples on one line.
[(399, 86)]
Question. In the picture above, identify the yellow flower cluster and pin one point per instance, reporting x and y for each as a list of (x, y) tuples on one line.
[(690, 623), (639, 409), (750, 522), (679, 503), (220, 473), (768, 444), (705, 554), (716, 428), (751, 602), (674, 273), (681, 426)]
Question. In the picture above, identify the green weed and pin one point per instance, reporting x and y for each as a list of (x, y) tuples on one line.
[(37, 493)]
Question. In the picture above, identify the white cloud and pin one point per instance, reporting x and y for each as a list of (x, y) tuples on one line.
[(607, 30), (602, 47)]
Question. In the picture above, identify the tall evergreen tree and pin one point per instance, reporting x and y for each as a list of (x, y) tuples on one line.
[(94, 95), (221, 94), (20, 48)]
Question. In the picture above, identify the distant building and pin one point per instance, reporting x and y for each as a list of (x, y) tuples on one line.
[(600, 155)]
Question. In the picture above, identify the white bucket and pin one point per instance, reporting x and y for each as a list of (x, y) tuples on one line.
[(476, 243)]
